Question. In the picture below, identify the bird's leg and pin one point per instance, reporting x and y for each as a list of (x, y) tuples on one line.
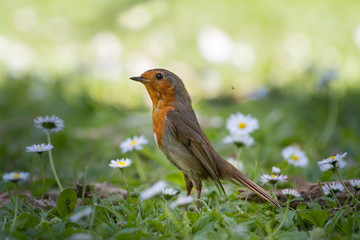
[(198, 187), (188, 186)]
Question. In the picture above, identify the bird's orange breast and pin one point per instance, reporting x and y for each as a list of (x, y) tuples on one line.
[(159, 121), (164, 100)]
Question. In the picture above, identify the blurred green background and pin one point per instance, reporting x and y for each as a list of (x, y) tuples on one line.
[(293, 65)]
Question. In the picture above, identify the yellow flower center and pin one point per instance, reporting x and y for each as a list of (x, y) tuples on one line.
[(331, 157), (37, 148), (242, 125), (273, 176), (121, 163), (133, 142), (16, 175), (295, 158)]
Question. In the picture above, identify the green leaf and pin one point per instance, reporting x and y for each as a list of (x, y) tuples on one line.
[(330, 225), (201, 223), (155, 226), (128, 233), (59, 228), (287, 235), (315, 216), (208, 233), (228, 221), (66, 202), (44, 229), (26, 220), (301, 206), (192, 216)]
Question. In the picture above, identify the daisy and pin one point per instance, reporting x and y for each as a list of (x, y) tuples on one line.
[(39, 148), (236, 163), (332, 161), (120, 163), (289, 193), (295, 156), (333, 187), (239, 140), (168, 193), (135, 143), (275, 170), (181, 201), (153, 190), (273, 179), (355, 183), (240, 124), (52, 124), (15, 176)]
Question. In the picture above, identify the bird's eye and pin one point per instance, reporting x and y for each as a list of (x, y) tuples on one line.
[(159, 76)]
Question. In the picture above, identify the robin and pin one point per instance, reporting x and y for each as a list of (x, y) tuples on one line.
[(179, 136)]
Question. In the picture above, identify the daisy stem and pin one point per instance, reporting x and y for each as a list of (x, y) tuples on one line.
[(16, 207), (43, 177), (238, 153), (52, 163), (357, 198), (323, 193), (125, 183), (166, 208), (9, 193), (285, 215), (347, 190), (169, 214), (275, 197), (139, 168), (333, 194)]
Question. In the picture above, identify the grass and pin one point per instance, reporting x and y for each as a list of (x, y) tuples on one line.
[(90, 140)]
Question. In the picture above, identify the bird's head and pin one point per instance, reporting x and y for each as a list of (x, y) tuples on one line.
[(164, 87)]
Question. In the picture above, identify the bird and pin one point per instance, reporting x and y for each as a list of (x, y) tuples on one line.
[(179, 136)]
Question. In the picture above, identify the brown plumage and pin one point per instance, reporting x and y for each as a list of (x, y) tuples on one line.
[(179, 136)]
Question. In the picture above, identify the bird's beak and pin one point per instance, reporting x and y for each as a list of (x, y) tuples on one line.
[(139, 79)]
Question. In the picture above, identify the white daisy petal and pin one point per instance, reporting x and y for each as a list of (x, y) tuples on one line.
[(168, 193), (236, 163), (181, 201), (39, 148), (240, 124), (52, 124), (295, 156), (15, 176), (135, 143), (120, 163), (333, 187), (275, 170), (325, 167), (290, 193), (355, 183), (153, 190), (332, 161), (273, 179), (239, 140)]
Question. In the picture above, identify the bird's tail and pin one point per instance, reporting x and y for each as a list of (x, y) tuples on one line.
[(230, 173)]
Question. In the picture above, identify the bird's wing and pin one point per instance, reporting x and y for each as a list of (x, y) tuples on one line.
[(190, 134)]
